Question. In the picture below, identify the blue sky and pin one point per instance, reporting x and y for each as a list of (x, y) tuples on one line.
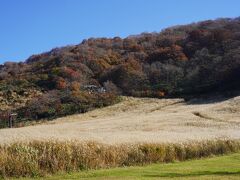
[(34, 26)]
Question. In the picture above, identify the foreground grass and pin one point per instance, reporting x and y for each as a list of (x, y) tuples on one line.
[(222, 167), (39, 159)]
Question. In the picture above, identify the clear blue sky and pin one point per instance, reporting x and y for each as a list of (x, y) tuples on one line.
[(34, 26)]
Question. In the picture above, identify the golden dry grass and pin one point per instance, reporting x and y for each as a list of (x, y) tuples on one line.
[(140, 120), (133, 132), (39, 158)]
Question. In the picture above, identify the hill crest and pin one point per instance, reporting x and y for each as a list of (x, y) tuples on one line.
[(183, 60)]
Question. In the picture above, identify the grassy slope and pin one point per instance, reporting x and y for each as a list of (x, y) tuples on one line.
[(224, 167)]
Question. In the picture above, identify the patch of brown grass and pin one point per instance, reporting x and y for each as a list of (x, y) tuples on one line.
[(39, 158)]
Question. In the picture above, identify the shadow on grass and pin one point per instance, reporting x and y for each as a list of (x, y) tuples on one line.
[(210, 98), (202, 173)]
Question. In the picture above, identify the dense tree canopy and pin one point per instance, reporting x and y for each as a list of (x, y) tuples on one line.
[(190, 59)]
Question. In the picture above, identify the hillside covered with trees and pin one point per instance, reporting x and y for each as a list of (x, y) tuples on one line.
[(184, 60)]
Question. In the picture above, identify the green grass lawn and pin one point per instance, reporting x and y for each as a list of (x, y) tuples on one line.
[(224, 167)]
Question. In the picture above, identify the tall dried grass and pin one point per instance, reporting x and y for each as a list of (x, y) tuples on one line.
[(39, 158)]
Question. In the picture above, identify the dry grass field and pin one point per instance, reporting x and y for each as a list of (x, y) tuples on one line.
[(141, 120)]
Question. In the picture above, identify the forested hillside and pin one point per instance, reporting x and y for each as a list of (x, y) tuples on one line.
[(183, 60)]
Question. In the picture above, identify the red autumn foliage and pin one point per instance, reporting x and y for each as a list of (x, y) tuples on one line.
[(61, 83), (70, 73)]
